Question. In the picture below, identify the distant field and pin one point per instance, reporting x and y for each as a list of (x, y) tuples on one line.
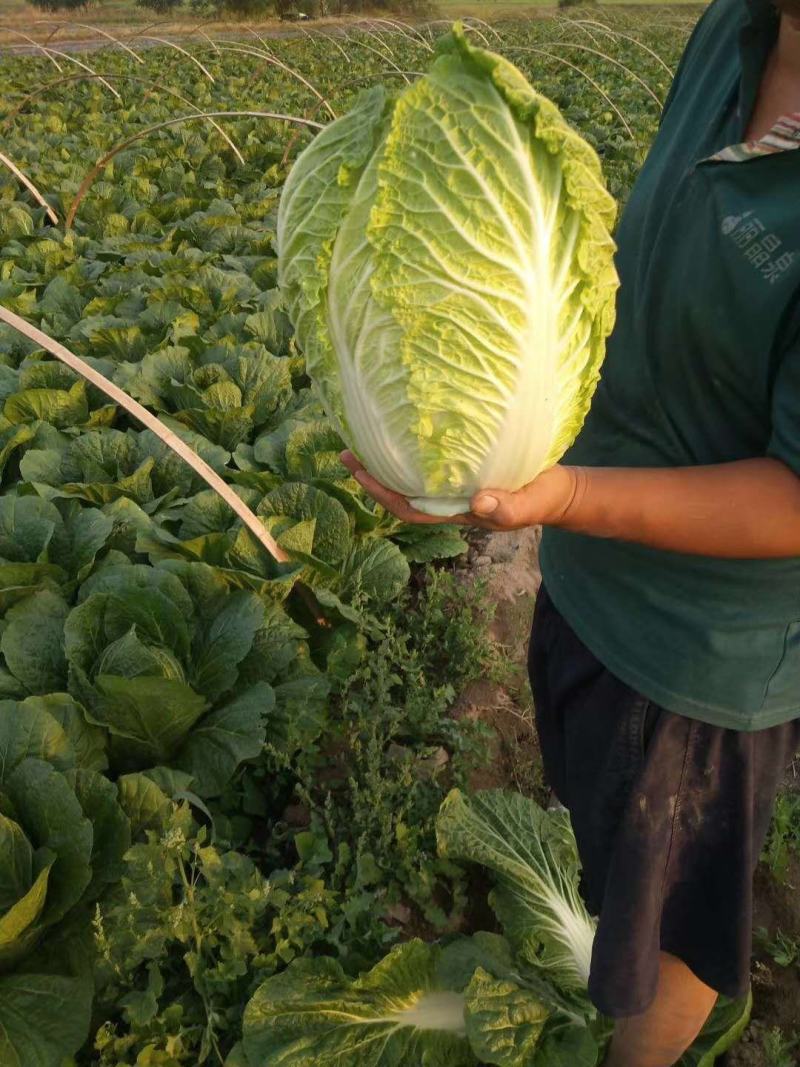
[(518, 8), (124, 16), (525, 8), (121, 17)]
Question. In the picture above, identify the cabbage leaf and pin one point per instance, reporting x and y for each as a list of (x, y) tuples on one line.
[(532, 855)]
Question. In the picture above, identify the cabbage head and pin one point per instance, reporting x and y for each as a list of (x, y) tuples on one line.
[(446, 260)]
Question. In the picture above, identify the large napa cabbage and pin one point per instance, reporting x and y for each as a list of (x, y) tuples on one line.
[(446, 260)]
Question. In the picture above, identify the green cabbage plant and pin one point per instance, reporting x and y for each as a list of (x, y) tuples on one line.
[(163, 673), (447, 263), (63, 833)]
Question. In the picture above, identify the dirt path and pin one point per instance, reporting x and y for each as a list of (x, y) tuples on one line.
[(507, 564)]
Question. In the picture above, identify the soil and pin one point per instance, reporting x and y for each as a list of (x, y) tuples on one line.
[(777, 989), (508, 565)]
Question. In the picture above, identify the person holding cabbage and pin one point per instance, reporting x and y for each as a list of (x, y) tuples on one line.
[(447, 264)]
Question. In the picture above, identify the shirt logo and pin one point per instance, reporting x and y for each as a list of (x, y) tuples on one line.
[(761, 249), (730, 223)]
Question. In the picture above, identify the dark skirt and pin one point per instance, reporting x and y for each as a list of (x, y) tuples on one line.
[(670, 816)]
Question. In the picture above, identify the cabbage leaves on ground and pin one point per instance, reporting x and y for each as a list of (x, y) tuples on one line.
[(513, 1001), (416, 1006)]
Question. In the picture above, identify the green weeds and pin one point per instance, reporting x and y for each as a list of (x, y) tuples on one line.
[(332, 853), (784, 836), (779, 1050)]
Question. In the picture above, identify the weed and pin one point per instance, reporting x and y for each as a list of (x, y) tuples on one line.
[(783, 949), (396, 750), (779, 1049), (784, 835)]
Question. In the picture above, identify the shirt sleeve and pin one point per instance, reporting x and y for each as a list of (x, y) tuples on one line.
[(784, 443)]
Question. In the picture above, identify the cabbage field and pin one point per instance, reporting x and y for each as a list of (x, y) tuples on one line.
[(238, 822)]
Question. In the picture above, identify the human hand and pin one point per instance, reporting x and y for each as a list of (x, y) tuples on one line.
[(545, 500)]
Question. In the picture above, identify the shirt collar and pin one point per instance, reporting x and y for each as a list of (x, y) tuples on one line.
[(759, 27), (783, 137)]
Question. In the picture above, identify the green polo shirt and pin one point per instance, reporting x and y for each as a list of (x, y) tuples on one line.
[(703, 367)]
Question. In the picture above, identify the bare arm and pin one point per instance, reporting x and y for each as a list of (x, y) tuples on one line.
[(747, 509)]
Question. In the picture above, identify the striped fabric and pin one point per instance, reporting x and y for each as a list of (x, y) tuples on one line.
[(783, 137)]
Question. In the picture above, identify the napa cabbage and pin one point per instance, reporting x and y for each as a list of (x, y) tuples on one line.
[(420, 1005), (534, 862), (446, 260)]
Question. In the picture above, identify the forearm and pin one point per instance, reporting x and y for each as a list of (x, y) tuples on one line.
[(748, 509), (744, 510)]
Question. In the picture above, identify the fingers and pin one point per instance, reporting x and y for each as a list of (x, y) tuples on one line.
[(489, 511), (387, 497), (350, 461), (497, 508), (396, 503)]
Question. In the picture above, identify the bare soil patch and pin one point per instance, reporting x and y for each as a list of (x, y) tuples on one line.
[(507, 565)]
